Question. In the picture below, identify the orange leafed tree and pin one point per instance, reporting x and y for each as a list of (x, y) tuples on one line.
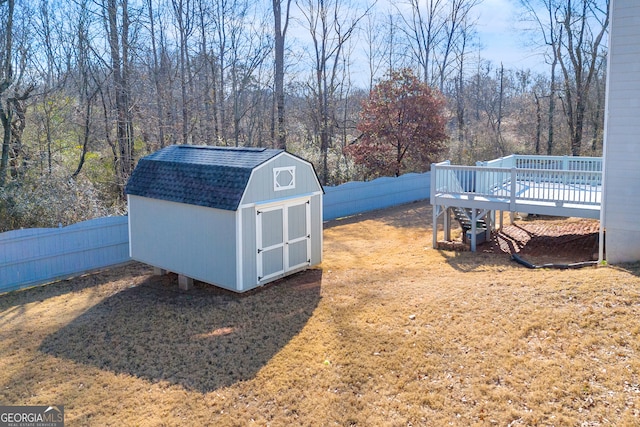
[(402, 126)]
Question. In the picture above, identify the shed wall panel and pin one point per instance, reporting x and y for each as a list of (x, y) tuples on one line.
[(622, 135), (192, 240), (261, 189)]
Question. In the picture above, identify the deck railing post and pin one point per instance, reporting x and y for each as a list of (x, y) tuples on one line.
[(432, 199), (512, 196), (432, 182)]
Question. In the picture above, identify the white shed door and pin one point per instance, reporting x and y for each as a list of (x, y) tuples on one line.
[(283, 238)]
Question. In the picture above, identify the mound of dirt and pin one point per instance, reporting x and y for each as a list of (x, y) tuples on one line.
[(542, 240)]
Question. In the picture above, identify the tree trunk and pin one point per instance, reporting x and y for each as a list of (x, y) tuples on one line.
[(582, 52), (5, 118), (538, 123), (499, 145), (6, 73), (280, 34), (120, 69), (156, 76), (552, 106), (85, 137)]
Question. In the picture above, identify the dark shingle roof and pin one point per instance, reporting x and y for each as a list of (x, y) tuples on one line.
[(214, 177)]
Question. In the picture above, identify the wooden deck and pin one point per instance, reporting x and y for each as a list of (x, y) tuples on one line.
[(544, 185)]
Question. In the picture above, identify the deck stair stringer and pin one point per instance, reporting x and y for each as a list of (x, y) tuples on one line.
[(463, 216)]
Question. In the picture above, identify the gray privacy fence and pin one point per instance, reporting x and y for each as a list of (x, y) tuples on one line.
[(40, 255), (36, 256)]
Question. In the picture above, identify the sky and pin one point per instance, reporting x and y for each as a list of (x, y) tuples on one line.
[(503, 36), (502, 32)]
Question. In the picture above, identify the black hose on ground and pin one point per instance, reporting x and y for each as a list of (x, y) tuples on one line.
[(527, 264)]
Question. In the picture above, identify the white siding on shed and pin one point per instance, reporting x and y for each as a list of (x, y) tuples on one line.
[(192, 240), (621, 204), (261, 185)]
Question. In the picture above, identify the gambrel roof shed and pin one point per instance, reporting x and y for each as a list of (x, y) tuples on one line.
[(234, 217), (215, 177)]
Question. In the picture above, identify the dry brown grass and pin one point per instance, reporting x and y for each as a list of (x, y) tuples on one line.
[(388, 332)]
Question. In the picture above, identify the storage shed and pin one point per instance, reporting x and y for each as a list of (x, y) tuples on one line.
[(236, 218)]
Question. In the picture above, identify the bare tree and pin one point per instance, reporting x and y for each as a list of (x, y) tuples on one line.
[(15, 90), (87, 82), (330, 27), (433, 28), (204, 75), (457, 29), (585, 25), (7, 77), (250, 46), (156, 73), (543, 14), (280, 32), (459, 83), (423, 28), (596, 107), (183, 14), (118, 36), (223, 24), (376, 44), (500, 150)]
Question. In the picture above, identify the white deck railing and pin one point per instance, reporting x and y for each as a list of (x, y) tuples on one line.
[(566, 163), (513, 179)]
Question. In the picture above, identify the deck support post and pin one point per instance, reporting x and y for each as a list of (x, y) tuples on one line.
[(434, 226), (159, 271), (474, 218), (447, 224)]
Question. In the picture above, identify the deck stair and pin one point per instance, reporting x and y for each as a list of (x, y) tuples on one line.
[(568, 186), (463, 216)]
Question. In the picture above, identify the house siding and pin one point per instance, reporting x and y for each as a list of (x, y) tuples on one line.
[(621, 205)]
